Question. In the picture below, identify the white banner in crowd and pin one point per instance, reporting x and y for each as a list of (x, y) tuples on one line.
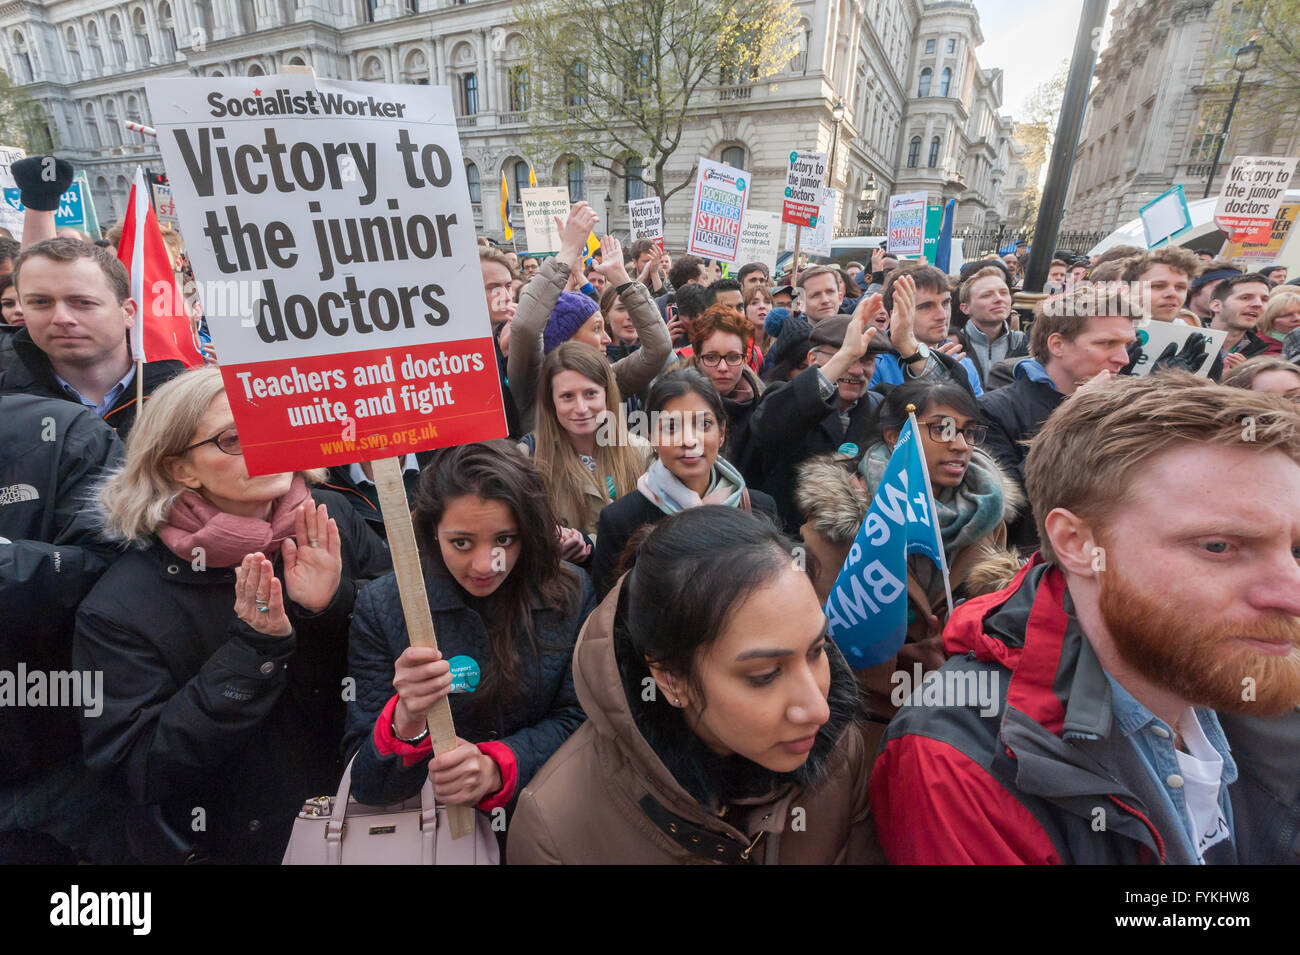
[(1155, 337), (721, 194), (646, 217), (759, 238), (817, 240), (10, 218), (541, 206), (906, 235), (338, 216)]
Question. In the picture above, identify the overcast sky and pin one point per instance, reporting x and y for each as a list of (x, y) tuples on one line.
[(1028, 40)]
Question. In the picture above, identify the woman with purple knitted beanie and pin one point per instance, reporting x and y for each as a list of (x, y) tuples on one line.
[(549, 315)]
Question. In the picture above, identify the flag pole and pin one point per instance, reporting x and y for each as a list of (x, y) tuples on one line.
[(139, 386), (934, 519)]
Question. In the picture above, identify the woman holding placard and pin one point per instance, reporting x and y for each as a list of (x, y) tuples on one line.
[(506, 611), (221, 634)]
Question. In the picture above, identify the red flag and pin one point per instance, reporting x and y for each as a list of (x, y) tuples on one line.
[(162, 327)]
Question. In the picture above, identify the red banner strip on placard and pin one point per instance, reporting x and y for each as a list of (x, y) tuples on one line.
[(299, 413)]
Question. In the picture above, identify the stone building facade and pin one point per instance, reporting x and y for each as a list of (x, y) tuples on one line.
[(86, 62)]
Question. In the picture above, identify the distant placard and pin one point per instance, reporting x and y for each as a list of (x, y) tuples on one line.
[(817, 240), (759, 239), (906, 235), (1253, 190), (804, 180), (646, 217), (721, 194), (541, 206)]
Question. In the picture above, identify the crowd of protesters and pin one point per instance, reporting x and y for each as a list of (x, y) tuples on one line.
[(639, 572)]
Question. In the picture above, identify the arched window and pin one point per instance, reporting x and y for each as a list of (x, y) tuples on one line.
[(141, 31), (934, 152), (255, 69), (115, 39), (74, 54), (23, 57), (469, 94), (112, 129), (133, 109), (416, 69), (521, 179), (633, 184), (924, 88), (105, 198), (168, 26), (914, 152), (475, 187), (373, 70), (577, 188), (297, 61), (945, 81), (96, 51), (518, 88), (122, 195), (92, 132), (575, 83), (734, 156)]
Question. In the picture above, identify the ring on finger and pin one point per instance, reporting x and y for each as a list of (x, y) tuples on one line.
[(313, 542)]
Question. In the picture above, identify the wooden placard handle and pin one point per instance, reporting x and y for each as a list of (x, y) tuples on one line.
[(415, 607)]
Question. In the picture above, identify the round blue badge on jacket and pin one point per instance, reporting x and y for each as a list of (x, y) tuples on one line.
[(849, 448), (464, 674)]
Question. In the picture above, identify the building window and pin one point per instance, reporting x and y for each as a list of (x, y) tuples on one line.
[(168, 27), (92, 128), (633, 184), (576, 85), (734, 156), (945, 81), (475, 187), (1205, 134), (521, 179), (799, 63), (141, 31), (469, 94), (929, 46), (952, 45), (96, 52), (518, 83), (914, 152), (923, 88), (577, 188), (115, 38), (934, 152)]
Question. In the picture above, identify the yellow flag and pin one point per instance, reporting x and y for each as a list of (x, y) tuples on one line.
[(532, 177), (505, 209), (593, 244)]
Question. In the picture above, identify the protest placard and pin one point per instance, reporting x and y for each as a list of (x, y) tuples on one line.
[(906, 234), (721, 194), (1253, 190), (541, 206), (1266, 248), (337, 216), (817, 240), (1154, 339), (1165, 217), (804, 180), (758, 239), (70, 213), (11, 218), (164, 204), (646, 217)]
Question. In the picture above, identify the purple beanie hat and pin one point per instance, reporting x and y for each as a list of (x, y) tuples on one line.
[(570, 314)]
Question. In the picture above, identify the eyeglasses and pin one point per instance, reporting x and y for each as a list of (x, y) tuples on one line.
[(227, 441), (712, 359), (943, 432)]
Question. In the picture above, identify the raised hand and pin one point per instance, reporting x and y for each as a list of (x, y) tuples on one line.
[(574, 231), (313, 565), (258, 598), (902, 317), (651, 265), (611, 262)]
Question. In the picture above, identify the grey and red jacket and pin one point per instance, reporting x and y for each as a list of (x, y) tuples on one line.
[(1048, 778)]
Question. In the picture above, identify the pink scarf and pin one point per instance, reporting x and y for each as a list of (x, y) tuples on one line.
[(226, 538)]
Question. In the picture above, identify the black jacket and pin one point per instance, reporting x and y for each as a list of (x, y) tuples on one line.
[(51, 454), (532, 727), (25, 368), (739, 448), (201, 712), (1266, 795), (364, 498), (1013, 414), (620, 520), (791, 424)]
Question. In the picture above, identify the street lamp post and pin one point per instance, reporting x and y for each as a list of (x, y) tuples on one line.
[(868, 200), (837, 114), (1243, 61), (609, 205)]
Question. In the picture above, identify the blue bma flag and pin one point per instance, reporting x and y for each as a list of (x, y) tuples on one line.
[(867, 607)]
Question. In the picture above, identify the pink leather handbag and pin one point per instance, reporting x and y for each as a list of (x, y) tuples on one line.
[(338, 830)]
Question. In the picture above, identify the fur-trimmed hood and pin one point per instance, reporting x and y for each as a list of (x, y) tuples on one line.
[(836, 504)]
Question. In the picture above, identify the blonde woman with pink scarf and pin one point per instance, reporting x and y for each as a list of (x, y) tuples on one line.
[(221, 633)]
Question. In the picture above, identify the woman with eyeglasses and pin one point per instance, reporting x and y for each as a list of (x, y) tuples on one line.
[(688, 432), (973, 501), (221, 633), (722, 341)]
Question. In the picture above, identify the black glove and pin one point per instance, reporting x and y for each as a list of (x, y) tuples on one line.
[(1189, 358), (42, 181), (1134, 354)]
